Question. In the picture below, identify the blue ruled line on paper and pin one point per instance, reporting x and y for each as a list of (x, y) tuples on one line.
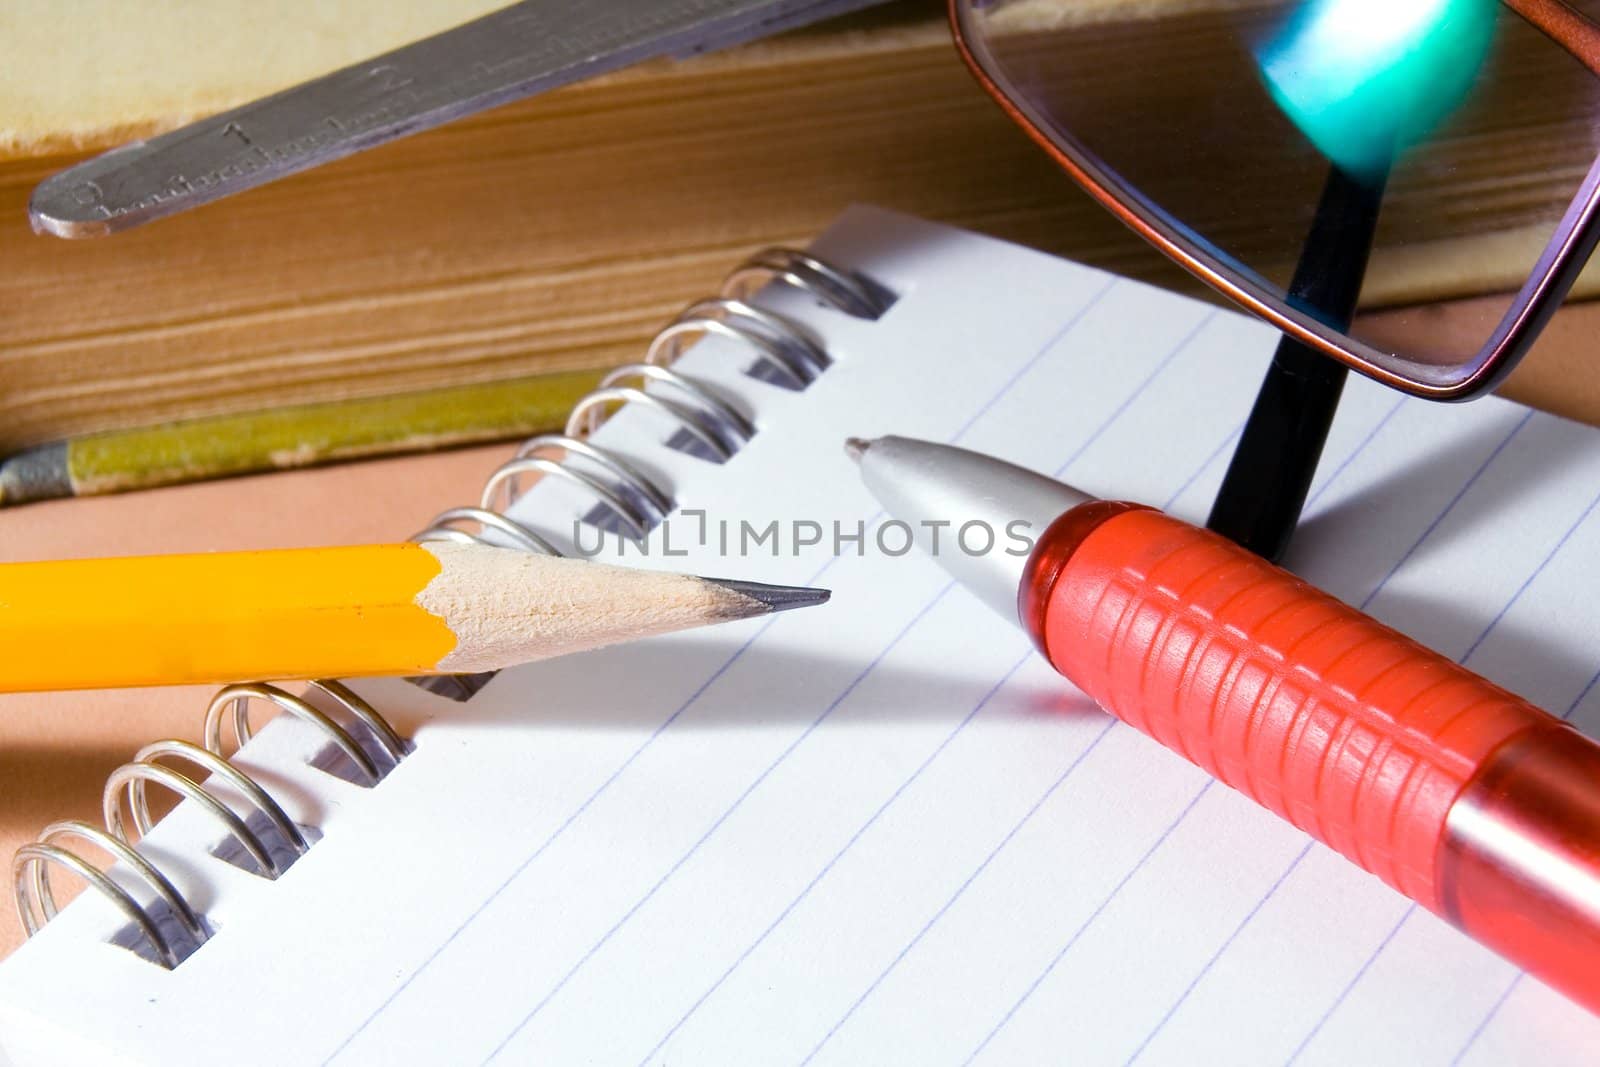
[(1354, 981), (1359, 447), (1295, 863), (1523, 588), (1577, 702), (933, 920), (1500, 1001), (577, 813), (1411, 909), (837, 856), (727, 812), (1494, 1009), (1410, 551), (1466, 487), (1217, 955), (1083, 927), (1121, 409), (1488, 1016), (945, 743), (1173, 352), (1044, 350)]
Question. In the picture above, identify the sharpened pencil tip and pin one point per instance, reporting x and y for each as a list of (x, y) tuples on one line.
[(769, 598), (856, 447)]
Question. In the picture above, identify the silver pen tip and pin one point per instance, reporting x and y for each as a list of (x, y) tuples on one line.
[(764, 599), (856, 447)]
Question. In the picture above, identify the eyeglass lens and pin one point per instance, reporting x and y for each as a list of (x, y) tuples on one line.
[(1222, 118)]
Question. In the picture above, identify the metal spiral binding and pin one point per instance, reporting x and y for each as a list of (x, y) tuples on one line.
[(789, 356), (169, 926), (266, 837)]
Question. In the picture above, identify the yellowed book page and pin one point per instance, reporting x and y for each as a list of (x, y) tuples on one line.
[(82, 73), (86, 74)]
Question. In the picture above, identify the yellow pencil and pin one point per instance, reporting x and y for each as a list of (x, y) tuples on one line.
[(338, 612)]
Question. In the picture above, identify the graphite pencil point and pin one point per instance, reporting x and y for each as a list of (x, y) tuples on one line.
[(765, 599)]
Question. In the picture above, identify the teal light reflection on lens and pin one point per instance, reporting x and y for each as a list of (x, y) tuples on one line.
[(1364, 79)]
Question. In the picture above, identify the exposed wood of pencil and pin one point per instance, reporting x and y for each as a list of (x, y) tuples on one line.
[(351, 611)]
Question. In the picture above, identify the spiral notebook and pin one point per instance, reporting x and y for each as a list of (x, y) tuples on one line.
[(877, 832)]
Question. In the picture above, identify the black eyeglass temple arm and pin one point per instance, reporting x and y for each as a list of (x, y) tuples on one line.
[(1265, 487)]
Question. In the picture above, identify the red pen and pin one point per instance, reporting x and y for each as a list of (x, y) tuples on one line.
[(1469, 800)]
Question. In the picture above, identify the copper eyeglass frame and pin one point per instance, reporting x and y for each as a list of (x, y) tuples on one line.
[(1551, 278)]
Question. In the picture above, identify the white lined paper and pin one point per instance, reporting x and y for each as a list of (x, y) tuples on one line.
[(884, 832)]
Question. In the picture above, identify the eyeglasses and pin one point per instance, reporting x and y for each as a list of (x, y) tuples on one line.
[(1304, 157), (1309, 157)]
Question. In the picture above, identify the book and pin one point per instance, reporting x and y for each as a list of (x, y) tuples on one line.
[(875, 832), (550, 235)]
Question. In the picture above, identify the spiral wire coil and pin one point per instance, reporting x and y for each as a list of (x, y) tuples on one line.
[(220, 792), (788, 357), (254, 824)]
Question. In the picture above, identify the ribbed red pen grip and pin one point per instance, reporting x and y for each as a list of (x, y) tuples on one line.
[(1348, 729)]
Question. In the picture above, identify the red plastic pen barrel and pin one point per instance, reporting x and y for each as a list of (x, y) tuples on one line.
[(1466, 798)]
